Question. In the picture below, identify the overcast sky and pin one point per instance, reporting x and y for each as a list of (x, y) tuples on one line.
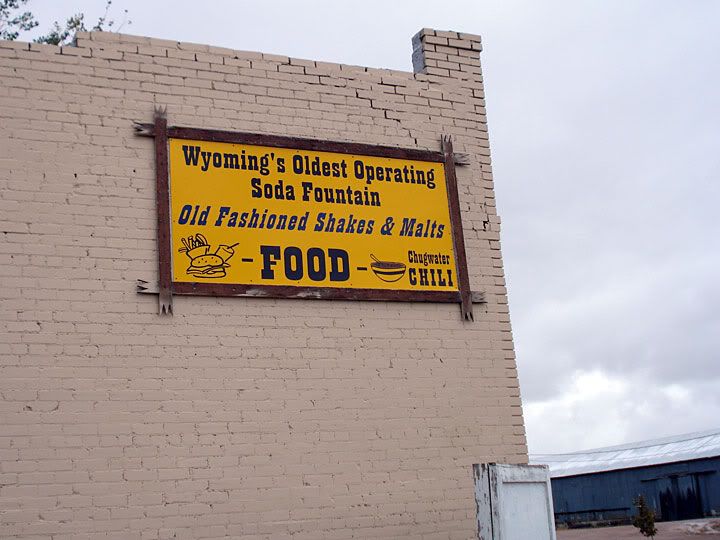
[(605, 134)]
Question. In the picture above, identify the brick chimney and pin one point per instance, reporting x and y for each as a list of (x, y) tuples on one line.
[(447, 54)]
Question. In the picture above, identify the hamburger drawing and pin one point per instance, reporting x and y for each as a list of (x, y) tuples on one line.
[(204, 264), (387, 271)]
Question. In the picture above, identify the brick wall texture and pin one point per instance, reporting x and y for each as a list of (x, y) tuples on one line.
[(235, 418)]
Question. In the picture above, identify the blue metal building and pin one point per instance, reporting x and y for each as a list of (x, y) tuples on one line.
[(678, 476)]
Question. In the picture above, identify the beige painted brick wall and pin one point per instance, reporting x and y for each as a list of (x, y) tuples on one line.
[(250, 418)]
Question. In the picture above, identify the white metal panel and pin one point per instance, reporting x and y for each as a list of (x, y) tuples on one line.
[(514, 502), (524, 512), (483, 501)]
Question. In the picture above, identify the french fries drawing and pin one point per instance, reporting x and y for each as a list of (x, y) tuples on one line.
[(203, 263)]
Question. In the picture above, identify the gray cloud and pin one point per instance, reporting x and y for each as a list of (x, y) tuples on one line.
[(609, 199)]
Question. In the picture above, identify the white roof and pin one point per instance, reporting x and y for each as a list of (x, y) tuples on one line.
[(699, 445)]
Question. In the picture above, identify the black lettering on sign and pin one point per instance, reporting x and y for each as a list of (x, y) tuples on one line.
[(270, 255), (293, 263), (315, 260), (316, 264), (339, 265)]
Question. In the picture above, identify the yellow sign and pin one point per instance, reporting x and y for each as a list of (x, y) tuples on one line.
[(255, 215)]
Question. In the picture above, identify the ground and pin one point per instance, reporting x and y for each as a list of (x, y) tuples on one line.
[(699, 529)]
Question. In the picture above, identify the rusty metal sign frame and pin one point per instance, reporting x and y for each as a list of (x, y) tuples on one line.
[(166, 288)]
